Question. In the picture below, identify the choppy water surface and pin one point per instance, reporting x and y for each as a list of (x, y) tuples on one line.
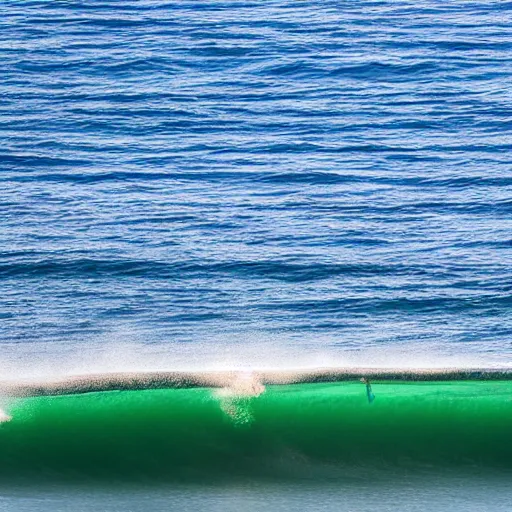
[(323, 175)]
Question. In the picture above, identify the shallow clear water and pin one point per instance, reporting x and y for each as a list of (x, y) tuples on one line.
[(411, 495)]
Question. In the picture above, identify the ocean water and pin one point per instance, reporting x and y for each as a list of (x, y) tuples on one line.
[(240, 184), (418, 446), (311, 432)]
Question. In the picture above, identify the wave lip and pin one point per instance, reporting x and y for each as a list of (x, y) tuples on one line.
[(137, 381)]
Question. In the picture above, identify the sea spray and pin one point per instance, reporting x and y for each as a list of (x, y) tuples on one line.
[(236, 398), (4, 417), (4, 403)]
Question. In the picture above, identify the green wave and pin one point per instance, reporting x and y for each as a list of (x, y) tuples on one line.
[(288, 431)]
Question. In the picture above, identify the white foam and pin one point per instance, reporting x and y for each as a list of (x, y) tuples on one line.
[(4, 417), (253, 351)]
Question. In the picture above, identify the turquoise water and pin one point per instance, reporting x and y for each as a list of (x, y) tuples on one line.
[(310, 431), (417, 447)]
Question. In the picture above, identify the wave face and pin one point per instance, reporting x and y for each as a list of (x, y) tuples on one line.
[(297, 431)]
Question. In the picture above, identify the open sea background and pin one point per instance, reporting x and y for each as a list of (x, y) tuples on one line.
[(300, 176), (226, 183)]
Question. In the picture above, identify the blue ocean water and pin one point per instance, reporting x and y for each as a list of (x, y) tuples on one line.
[(327, 175)]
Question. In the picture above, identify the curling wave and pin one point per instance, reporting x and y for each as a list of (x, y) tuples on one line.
[(287, 431)]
